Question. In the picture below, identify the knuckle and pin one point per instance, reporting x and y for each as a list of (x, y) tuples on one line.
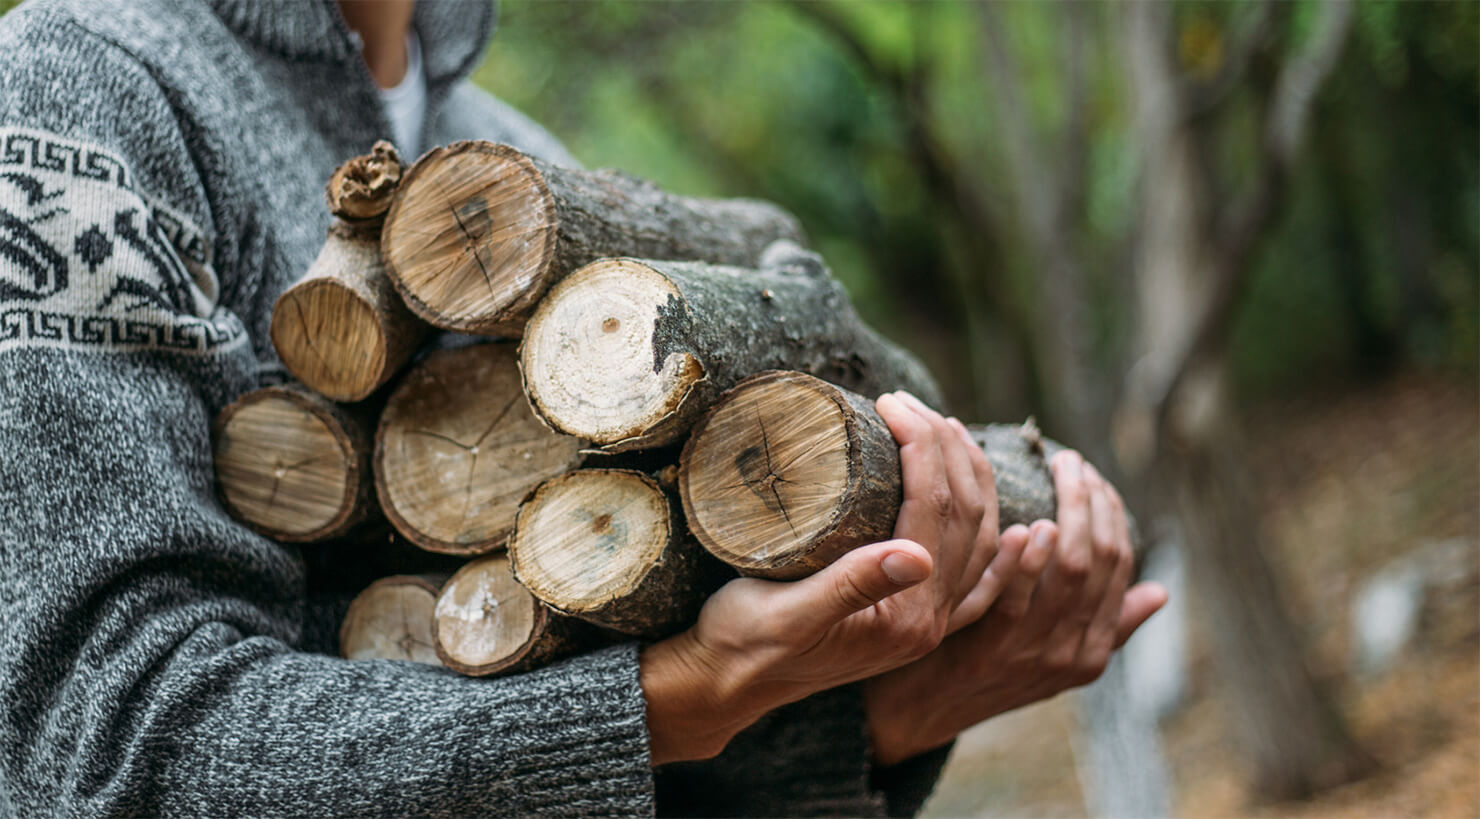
[(975, 510), (940, 500), (1092, 667), (1059, 660), (1074, 565), (849, 594)]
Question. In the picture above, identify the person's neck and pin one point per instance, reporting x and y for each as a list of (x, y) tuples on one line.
[(382, 26)]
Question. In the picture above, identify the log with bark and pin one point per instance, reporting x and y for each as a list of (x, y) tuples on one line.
[(788, 472), (629, 353), (480, 231), (293, 465), (486, 623), (458, 449), (392, 620), (341, 329), (609, 546)]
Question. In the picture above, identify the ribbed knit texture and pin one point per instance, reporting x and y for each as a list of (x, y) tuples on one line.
[(161, 173)]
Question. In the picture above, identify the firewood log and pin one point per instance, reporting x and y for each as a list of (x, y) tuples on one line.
[(609, 546), (341, 329), (787, 473), (293, 465), (629, 353), (486, 623), (480, 231), (458, 448), (392, 620)]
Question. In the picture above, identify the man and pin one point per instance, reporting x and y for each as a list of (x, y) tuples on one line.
[(161, 166)]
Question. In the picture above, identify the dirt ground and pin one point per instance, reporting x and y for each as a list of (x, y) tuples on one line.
[(1352, 482)]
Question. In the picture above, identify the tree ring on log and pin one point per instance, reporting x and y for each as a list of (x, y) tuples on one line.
[(343, 353), (590, 537), (769, 472), (484, 620), (391, 620), (599, 357), (459, 448), (285, 466), (471, 237)]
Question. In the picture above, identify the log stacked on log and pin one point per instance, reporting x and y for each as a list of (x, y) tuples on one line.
[(638, 310)]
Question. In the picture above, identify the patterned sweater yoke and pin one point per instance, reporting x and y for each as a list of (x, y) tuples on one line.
[(161, 174)]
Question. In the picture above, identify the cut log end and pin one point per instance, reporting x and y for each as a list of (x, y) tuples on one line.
[(485, 621), (458, 449), (767, 474), (597, 356), (362, 188), (284, 466), (590, 537), (329, 336), (391, 620), (470, 240)]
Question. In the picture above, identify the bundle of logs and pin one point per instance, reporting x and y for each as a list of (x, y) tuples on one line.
[(607, 399)]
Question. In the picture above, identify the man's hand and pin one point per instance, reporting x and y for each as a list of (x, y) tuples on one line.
[(760, 644), (1054, 627)]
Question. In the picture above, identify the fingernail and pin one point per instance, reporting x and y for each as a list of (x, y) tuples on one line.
[(904, 569), (962, 431), (913, 401), (1044, 537)]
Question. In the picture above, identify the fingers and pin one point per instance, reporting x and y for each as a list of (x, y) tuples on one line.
[(853, 583), (984, 550), (926, 489), (1141, 601), (995, 579), (1041, 543)]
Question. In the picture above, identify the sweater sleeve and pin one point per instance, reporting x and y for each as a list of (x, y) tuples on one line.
[(150, 662)]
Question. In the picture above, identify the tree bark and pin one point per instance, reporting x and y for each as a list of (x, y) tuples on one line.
[(392, 620), (629, 353), (458, 449), (341, 329), (480, 231), (486, 623), (293, 465), (609, 546), (787, 473)]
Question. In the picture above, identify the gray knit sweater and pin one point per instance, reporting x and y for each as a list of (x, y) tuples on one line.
[(161, 168)]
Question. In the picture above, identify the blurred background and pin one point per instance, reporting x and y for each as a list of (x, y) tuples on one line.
[(1229, 250)]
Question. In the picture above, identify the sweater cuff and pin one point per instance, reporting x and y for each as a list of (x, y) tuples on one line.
[(908, 784)]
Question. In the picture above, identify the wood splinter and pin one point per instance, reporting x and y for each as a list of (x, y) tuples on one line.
[(342, 329), (293, 465), (392, 620)]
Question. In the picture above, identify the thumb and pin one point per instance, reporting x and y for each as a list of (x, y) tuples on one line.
[(856, 581)]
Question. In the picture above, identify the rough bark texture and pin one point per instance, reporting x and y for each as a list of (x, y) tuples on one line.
[(293, 465), (471, 625), (458, 449), (663, 575), (505, 226), (392, 620), (363, 188), (629, 353), (870, 489)]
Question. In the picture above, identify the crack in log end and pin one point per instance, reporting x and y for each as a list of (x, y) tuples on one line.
[(476, 210), (670, 331)]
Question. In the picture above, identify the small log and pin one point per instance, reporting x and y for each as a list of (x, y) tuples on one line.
[(292, 465), (392, 620), (629, 353), (486, 623), (609, 546), (480, 231), (787, 473), (342, 329), (458, 449)]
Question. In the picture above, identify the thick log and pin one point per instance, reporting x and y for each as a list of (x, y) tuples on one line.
[(342, 329), (480, 231), (486, 623), (629, 353), (458, 449), (392, 620), (609, 546), (293, 465), (787, 473)]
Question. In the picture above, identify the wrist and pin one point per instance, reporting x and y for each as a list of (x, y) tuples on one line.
[(696, 700), (895, 731)]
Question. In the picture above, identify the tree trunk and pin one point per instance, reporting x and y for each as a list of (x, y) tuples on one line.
[(292, 465), (788, 473), (629, 353), (341, 329), (392, 620), (609, 546), (486, 623), (458, 449), (480, 231)]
